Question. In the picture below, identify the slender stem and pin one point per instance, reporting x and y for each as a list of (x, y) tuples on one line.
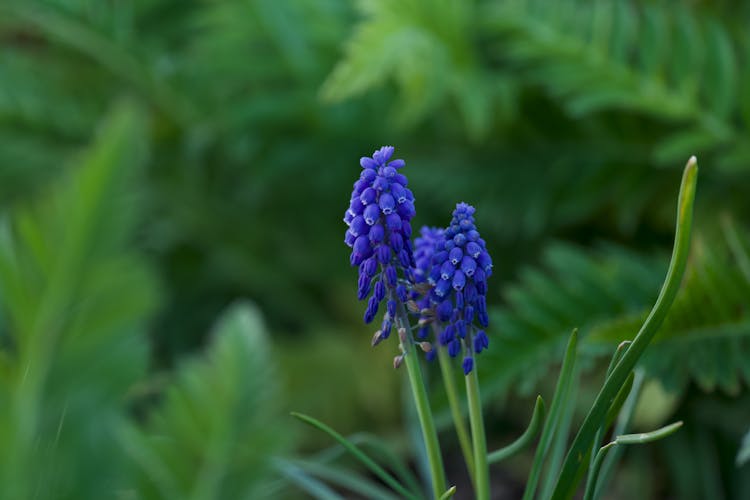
[(477, 433), (596, 465), (458, 418), (429, 433), (572, 470)]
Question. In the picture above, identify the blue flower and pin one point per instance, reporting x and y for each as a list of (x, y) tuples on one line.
[(379, 234), (460, 268)]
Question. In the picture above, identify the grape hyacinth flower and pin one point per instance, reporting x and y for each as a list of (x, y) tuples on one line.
[(379, 234), (419, 295), (460, 268)]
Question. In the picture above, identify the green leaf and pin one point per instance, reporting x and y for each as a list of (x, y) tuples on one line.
[(574, 462), (75, 298), (520, 444), (218, 419), (357, 453), (560, 401)]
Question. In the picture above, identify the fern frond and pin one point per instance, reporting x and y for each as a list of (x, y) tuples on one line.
[(607, 294), (216, 433), (74, 299), (667, 62)]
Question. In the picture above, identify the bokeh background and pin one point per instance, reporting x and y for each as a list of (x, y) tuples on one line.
[(169, 164)]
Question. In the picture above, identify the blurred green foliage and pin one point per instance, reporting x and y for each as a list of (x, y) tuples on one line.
[(227, 174)]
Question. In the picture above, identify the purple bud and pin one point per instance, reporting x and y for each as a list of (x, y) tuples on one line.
[(473, 235), (459, 299), (405, 258), (439, 257), (371, 214), (401, 179), (391, 308), (459, 280), (454, 348), (385, 328), (423, 332), (481, 341), (372, 309), (397, 242), (393, 222), (370, 267), (398, 192), (442, 287), (348, 217), (468, 265), (383, 254), (461, 328), (389, 172), (459, 239), (473, 249), (444, 310), (455, 255), (468, 364), (406, 229), (349, 239), (447, 270), (484, 261), (406, 210), (356, 207), (430, 355), (379, 293), (359, 226), (391, 276), (376, 234), (367, 162), (469, 314), (397, 163), (380, 183), (387, 203), (368, 175), (363, 286), (401, 293), (368, 196), (447, 335)]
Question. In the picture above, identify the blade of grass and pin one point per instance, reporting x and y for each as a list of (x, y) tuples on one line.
[(535, 426), (448, 494), (625, 439), (446, 369), (623, 421), (358, 454), (563, 383), (581, 447), (344, 478)]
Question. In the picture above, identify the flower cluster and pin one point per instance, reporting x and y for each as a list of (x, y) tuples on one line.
[(379, 219), (460, 268)]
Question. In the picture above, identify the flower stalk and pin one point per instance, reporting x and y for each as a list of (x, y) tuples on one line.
[(424, 413), (481, 467)]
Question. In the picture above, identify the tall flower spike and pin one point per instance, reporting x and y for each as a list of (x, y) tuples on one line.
[(379, 233), (460, 268)]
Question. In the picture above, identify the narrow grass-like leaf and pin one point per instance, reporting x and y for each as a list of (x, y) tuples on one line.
[(358, 454), (448, 494), (621, 348), (535, 426), (344, 478), (646, 437), (570, 474), (558, 403)]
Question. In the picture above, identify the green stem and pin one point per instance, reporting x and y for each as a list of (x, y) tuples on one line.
[(573, 467), (482, 473), (424, 413), (458, 418)]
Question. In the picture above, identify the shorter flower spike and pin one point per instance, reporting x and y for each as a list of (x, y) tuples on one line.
[(459, 272)]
